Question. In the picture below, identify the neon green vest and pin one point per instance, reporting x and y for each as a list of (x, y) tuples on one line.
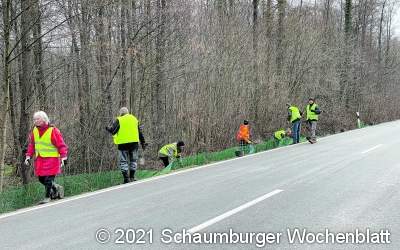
[(169, 150), (128, 130), (279, 134), (311, 115), (295, 113), (43, 146)]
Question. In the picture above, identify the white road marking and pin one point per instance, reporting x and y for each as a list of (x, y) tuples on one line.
[(233, 211), (373, 148)]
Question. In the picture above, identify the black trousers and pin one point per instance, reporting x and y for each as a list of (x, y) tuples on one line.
[(48, 183), (165, 161)]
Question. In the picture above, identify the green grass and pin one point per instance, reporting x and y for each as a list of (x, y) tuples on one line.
[(23, 196), (18, 197)]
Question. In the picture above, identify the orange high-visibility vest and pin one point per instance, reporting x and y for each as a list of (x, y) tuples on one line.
[(243, 133)]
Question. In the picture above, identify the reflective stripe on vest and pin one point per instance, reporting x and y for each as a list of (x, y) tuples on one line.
[(43, 146), (295, 113), (311, 115), (128, 130)]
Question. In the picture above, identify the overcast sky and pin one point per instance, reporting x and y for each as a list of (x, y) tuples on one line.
[(396, 23)]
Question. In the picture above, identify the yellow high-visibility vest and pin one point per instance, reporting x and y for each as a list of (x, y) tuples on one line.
[(279, 134), (128, 130), (295, 113), (170, 150), (310, 114), (43, 146)]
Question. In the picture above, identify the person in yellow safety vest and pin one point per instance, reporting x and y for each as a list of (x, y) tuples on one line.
[(127, 133), (49, 151), (294, 117), (171, 152), (312, 111), (279, 135)]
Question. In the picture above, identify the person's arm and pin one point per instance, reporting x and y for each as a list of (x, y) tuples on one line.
[(58, 142), (113, 129), (178, 155), (31, 146), (141, 137), (317, 110), (289, 114)]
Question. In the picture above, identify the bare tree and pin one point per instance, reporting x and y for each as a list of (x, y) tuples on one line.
[(280, 35), (6, 6), (38, 55)]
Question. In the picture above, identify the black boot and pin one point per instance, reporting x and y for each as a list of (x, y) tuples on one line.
[(125, 175), (132, 175)]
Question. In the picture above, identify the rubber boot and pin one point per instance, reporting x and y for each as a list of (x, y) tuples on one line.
[(53, 193), (132, 175), (125, 175), (59, 191)]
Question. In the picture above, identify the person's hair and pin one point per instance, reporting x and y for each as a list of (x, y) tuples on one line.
[(180, 144), (311, 99), (123, 111), (245, 122), (42, 115)]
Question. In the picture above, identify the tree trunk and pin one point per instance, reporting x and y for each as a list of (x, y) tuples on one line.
[(38, 57), (344, 81), (6, 6), (24, 85), (388, 35), (159, 86), (85, 113), (103, 67), (380, 33), (133, 100), (123, 24), (256, 82), (280, 35)]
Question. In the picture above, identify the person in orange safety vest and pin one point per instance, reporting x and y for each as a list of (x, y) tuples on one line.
[(243, 136)]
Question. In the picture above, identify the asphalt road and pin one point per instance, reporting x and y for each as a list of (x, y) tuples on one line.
[(336, 190)]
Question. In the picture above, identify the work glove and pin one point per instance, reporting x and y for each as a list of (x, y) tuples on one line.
[(27, 161), (63, 161)]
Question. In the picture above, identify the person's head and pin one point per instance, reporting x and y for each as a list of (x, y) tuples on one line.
[(123, 111), (288, 132), (311, 100), (288, 105), (180, 146), (246, 122), (40, 119)]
